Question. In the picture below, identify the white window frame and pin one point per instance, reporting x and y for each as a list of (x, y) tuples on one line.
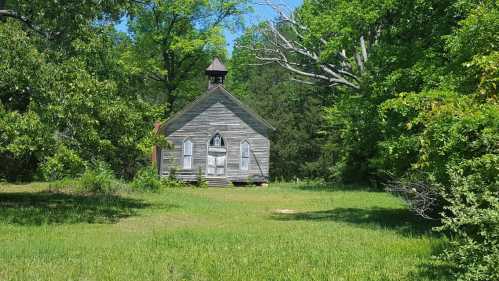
[(186, 157), (242, 156)]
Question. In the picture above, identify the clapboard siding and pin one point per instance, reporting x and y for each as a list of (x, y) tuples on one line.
[(217, 112)]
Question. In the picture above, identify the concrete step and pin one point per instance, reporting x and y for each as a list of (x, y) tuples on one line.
[(217, 182)]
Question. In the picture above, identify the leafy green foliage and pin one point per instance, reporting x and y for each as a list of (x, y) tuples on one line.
[(169, 182), (175, 41), (48, 102), (65, 163), (426, 111), (62, 21), (200, 179), (147, 179), (23, 139), (88, 88), (348, 19), (472, 217), (97, 179), (449, 138), (352, 130)]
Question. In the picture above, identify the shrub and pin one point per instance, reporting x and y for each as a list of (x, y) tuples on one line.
[(200, 179), (472, 219), (147, 179), (171, 183), (454, 146), (173, 173), (98, 179), (431, 132), (63, 164)]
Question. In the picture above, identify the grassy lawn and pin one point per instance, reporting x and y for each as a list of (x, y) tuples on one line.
[(283, 232)]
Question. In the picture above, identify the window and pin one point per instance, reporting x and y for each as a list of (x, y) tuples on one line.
[(187, 154), (217, 141), (245, 155)]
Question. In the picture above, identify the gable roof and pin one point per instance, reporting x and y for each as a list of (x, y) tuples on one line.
[(220, 90)]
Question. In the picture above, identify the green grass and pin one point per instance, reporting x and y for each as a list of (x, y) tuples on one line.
[(284, 232)]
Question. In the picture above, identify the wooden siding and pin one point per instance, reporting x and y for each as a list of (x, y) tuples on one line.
[(217, 113)]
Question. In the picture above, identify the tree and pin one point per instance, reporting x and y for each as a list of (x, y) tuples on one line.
[(326, 42), (77, 98), (296, 145), (67, 70), (176, 40), (61, 20)]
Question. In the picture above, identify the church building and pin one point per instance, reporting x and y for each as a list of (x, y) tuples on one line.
[(216, 136)]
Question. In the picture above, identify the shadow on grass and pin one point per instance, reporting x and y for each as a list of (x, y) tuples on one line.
[(433, 269), (37, 208), (401, 220)]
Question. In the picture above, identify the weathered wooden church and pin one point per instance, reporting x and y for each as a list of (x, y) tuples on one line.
[(218, 136)]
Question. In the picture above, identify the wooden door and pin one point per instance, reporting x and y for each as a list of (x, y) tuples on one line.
[(216, 164), (216, 156), (220, 165)]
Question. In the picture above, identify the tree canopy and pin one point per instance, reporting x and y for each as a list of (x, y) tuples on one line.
[(71, 84)]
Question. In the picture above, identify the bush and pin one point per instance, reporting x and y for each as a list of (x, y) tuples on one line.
[(472, 219), (172, 183), (147, 179), (98, 179), (453, 145), (65, 163)]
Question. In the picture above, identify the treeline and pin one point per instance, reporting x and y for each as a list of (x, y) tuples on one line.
[(397, 94)]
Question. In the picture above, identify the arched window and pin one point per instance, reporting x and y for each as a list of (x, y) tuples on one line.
[(187, 154), (217, 141), (245, 155)]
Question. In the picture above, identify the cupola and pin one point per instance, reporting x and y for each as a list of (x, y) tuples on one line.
[(216, 73)]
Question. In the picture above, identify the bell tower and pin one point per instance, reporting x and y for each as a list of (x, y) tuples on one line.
[(216, 73)]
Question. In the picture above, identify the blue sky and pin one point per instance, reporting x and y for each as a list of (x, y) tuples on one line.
[(260, 13)]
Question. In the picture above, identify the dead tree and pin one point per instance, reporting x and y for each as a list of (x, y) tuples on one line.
[(289, 51), (422, 198)]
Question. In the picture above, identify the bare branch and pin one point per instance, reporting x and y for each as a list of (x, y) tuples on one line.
[(259, 64), (286, 50), (360, 63), (422, 198), (303, 81), (363, 48)]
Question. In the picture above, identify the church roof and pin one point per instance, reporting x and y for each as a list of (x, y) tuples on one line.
[(219, 89)]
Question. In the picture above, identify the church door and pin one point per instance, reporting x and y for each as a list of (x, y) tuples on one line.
[(216, 156)]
